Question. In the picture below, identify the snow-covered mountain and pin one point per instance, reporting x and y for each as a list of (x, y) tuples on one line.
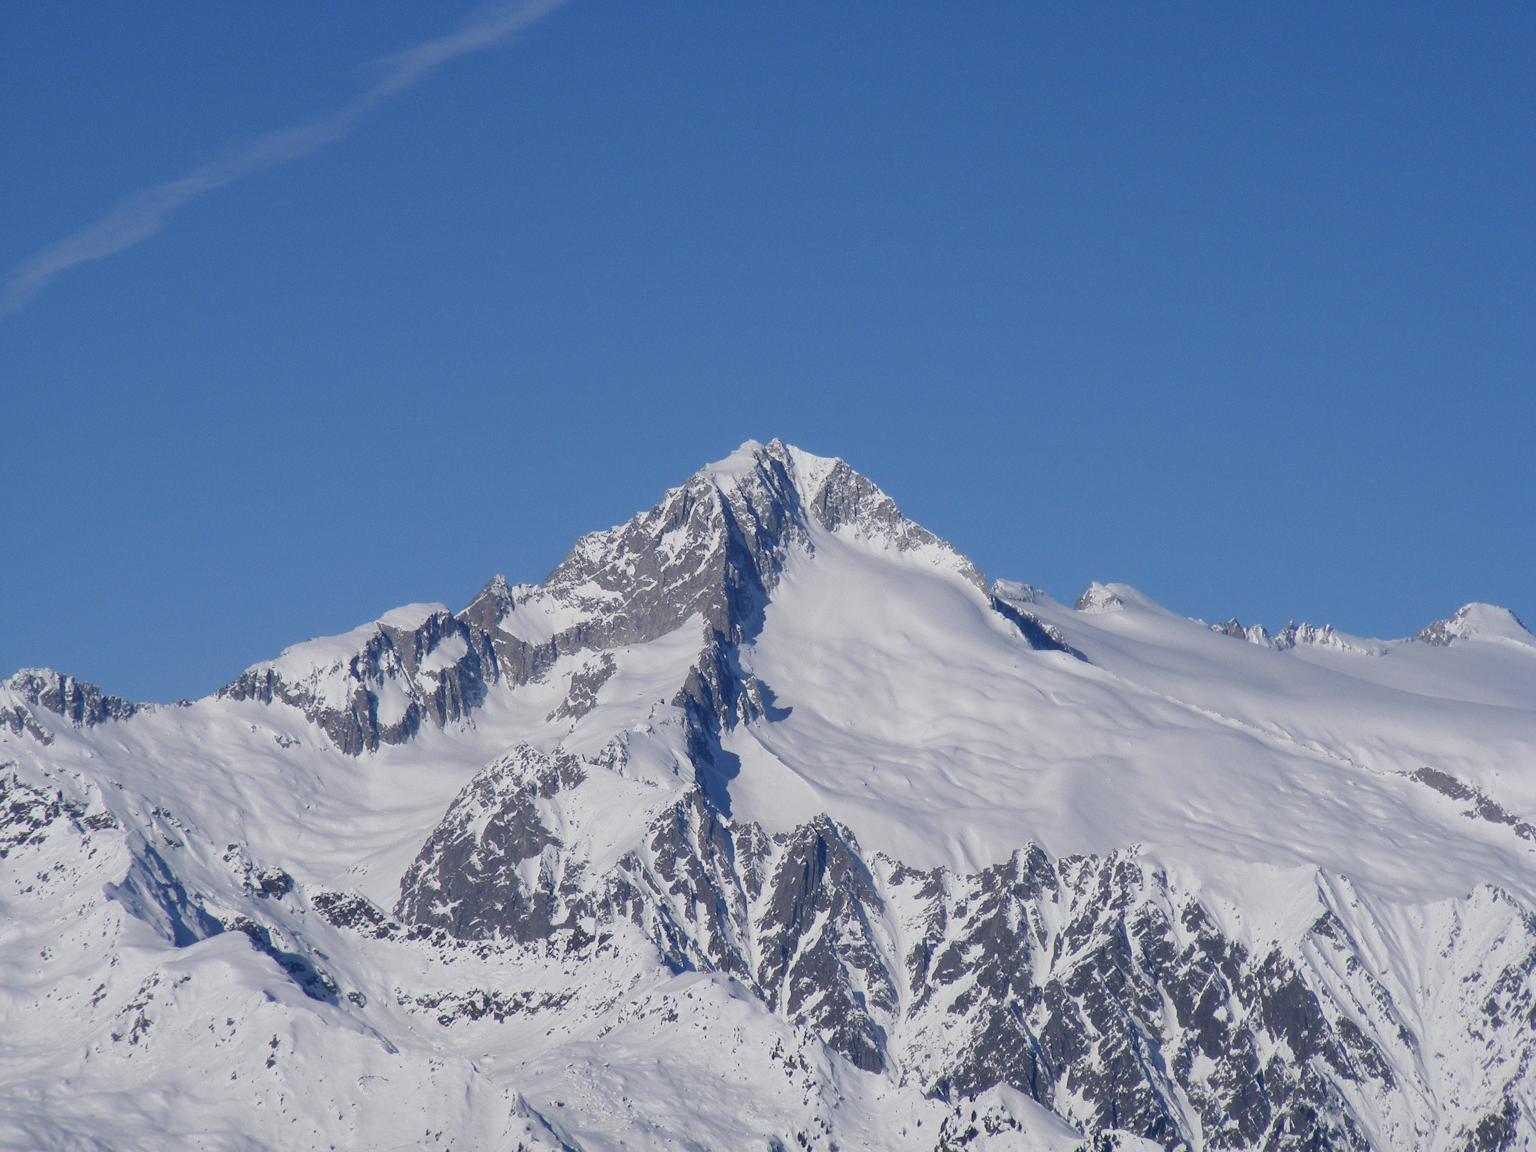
[(765, 822)]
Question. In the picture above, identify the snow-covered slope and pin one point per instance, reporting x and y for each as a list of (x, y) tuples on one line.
[(765, 822)]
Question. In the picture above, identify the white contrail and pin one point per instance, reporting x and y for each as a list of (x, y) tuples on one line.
[(144, 213)]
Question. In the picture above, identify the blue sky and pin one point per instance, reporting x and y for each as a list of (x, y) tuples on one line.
[(1228, 302)]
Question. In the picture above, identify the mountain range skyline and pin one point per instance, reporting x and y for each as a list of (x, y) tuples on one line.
[(1225, 307), (766, 819), (1260, 631)]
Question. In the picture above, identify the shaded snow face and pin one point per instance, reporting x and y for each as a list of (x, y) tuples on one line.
[(763, 822)]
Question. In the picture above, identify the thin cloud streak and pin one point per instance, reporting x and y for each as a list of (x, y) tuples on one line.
[(144, 213)]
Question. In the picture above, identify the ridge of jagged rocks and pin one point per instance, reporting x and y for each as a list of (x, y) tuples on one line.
[(397, 680), (76, 701), (712, 548), (1298, 635)]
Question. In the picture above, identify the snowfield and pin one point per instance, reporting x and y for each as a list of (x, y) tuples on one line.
[(765, 822)]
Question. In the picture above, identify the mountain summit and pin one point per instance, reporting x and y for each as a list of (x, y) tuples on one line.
[(708, 554), (764, 821), (1478, 622)]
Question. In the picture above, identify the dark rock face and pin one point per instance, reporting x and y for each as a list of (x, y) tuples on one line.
[(684, 889), (988, 966), (74, 700), (795, 917), (701, 551), (1132, 1013), (712, 549), (848, 500), (1498, 1130), (18, 719), (356, 913), (27, 814), (588, 680), (450, 1008), (274, 883), (467, 879), (821, 961)]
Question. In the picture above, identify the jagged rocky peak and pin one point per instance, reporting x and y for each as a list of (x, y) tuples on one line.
[(714, 547), (468, 878), (1470, 622), (1477, 622), (1099, 597), (1019, 593), (76, 700), (1298, 635), (1253, 633), (378, 683), (1295, 635), (711, 550)]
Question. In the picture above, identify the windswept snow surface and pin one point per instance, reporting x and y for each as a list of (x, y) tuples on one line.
[(764, 823), (917, 718)]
